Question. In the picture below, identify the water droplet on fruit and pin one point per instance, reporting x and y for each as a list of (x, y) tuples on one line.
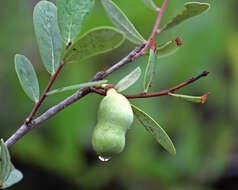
[(103, 159)]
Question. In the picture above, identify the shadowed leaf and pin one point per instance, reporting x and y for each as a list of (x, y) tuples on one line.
[(122, 22), (154, 129), (150, 70), (168, 48), (72, 14), (48, 35), (27, 77), (96, 41)]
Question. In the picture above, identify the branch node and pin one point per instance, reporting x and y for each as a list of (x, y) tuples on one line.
[(205, 73), (98, 76)]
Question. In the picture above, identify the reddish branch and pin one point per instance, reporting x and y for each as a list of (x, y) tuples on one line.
[(162, 93), (171, 90), (43, 96), (154, 32), (47, 89)]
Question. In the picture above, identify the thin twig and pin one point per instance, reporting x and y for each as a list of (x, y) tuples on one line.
[(156, 26), (166, 92), (24, 129), (162, 93), (43, 96), (97, 91), (47, 89)]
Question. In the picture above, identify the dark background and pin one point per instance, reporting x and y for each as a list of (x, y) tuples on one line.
[(59, 155)]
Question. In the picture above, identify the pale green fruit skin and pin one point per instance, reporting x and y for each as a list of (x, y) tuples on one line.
[(107, 142), (115, 116)]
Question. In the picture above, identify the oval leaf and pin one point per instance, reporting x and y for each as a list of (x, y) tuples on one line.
[(122, 22), (96, 41), (72, 14), (48, 35), (168, 48), (5, 163), (27, 77), (128, 80), (76, 87), (151, 4), (150, 70), (191, 9), (15, 177), (154, 129)]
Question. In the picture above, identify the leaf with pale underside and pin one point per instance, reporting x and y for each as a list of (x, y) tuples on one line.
[(76, 87), (48, 35), (27, 77), (71, 16), (96, 41), (151, 4), (191, 9), (121, 21), (8, 174), (150, 70), (5, 163), (154, 129), (128, 80), (14, 177)]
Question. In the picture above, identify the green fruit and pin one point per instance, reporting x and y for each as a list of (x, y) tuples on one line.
[(115, 116)]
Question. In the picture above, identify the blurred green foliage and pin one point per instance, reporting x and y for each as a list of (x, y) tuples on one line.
[(204, 135)]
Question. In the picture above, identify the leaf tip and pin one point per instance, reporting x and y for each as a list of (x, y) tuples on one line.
[(173, 152), (204, 97), (206, 6), (16, 57), (179, 41)]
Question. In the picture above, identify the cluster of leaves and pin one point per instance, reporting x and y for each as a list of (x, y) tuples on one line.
[(59, 40)]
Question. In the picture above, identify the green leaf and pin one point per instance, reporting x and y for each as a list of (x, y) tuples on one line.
[(150, 70), (196, 99), (128, 80), (168, 48), (15, 177), (48, 35), (191, 9), (9, 175), (154, 129), (71, 15), (151, 4), (96, 41), (27, 77), (76, 87), (122, 22), (5, 163)]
